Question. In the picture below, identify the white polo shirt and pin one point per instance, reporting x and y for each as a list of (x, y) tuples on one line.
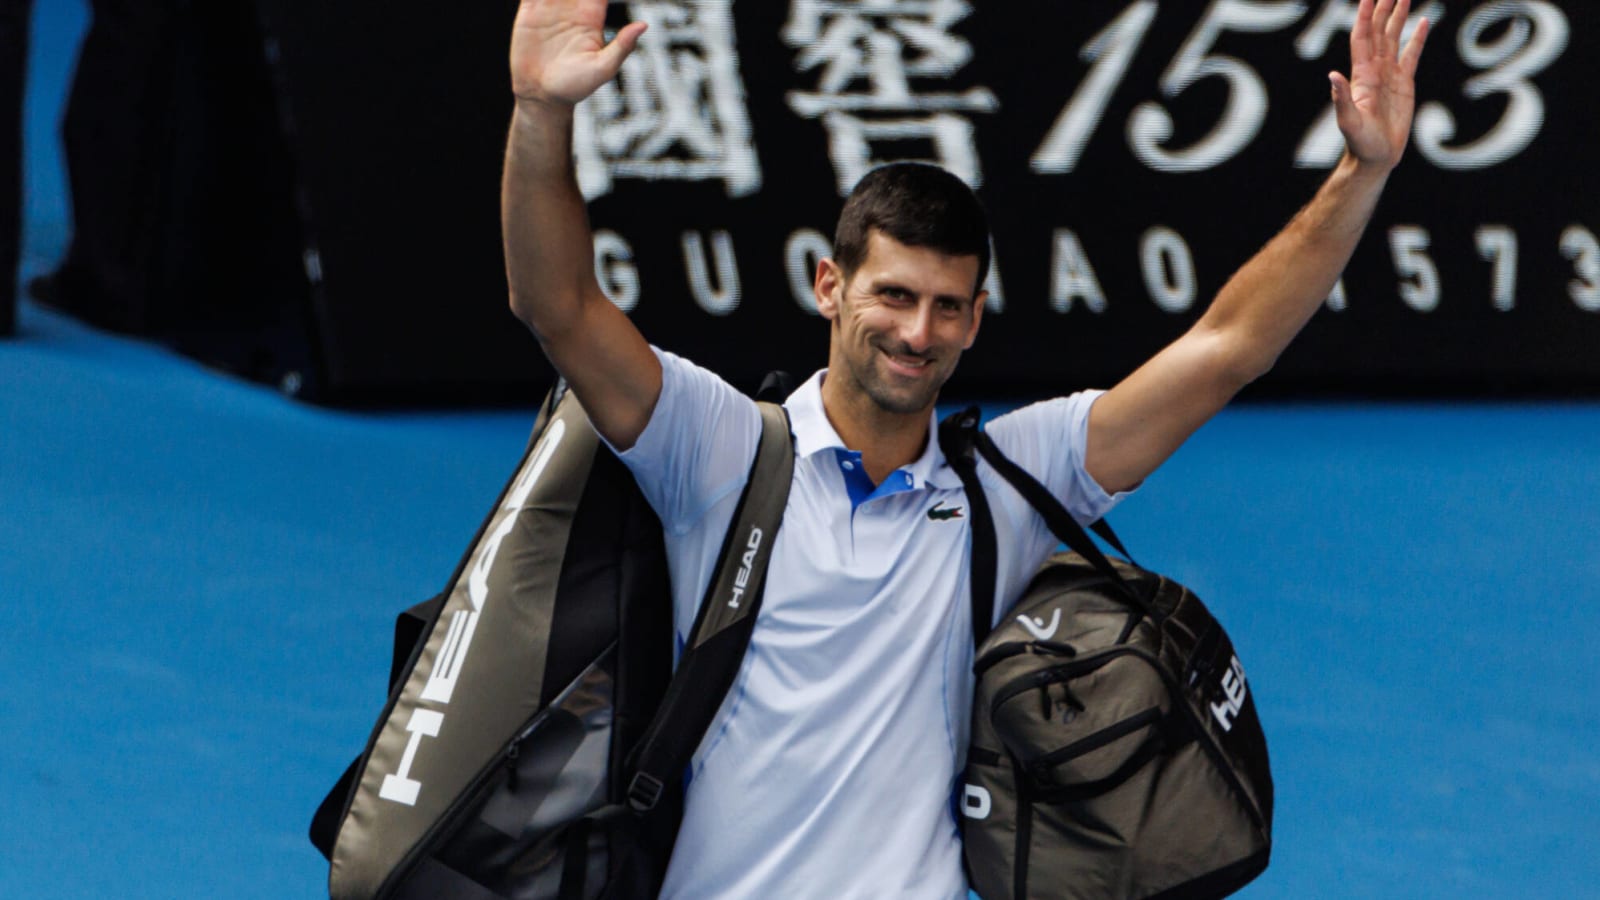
[(830, 768)]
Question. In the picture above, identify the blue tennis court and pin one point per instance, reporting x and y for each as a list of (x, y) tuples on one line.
[(203, 576), (205, 573)]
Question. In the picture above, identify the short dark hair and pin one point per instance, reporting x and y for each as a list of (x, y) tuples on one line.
[(919, 205)]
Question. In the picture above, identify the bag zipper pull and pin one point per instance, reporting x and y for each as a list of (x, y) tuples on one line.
[(511, 767)]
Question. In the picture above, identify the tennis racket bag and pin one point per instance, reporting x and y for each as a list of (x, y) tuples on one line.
[(535, 735), (1115, 750)]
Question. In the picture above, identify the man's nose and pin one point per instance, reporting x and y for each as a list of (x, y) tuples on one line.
[(917, 330)]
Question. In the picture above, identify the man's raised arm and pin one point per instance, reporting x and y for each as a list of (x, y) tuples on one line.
[(559, 57), (1136, 425)]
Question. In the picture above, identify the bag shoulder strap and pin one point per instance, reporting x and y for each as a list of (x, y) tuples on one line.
[(727, 615), (958, 439), (963, 443)]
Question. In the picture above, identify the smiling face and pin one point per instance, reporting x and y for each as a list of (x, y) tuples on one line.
[(900, 322)]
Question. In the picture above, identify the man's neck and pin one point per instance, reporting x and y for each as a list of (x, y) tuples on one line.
[(886, 440)]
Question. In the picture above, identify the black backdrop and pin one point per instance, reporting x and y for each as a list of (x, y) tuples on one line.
[(395, 117), (1480, 272)]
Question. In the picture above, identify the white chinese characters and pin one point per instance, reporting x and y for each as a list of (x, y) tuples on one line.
[(676, 110), (867, 54)]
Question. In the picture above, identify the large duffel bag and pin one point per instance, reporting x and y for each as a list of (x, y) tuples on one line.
[(1115, 750)]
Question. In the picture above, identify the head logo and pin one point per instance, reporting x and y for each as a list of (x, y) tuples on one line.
[(1041, 630), (451, 654), (1234, 692), (944, 515), (741, 579)]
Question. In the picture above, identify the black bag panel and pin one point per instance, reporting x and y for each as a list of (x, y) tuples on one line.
[(410, 630), (1222, 882), (1219, 691), (646, 639), (324, 829), (543, 822), (512, 835), (599, 554), (434, 880)]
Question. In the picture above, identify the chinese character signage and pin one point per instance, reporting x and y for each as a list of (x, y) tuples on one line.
[(1132, 155)]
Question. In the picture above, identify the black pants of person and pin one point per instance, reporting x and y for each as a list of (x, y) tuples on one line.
[(116, 139), (13, 74)]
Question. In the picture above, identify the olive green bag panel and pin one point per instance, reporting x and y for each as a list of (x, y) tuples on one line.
[(495, 621)]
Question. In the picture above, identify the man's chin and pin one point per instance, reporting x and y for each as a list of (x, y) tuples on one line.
[(906, 401)]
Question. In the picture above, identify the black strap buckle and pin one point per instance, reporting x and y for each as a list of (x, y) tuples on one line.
[(644, 792)]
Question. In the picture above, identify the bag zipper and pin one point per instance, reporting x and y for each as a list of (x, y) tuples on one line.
[(1093, 742), (1078, 666)]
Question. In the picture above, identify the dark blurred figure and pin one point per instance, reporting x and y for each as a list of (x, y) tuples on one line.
[(14, 15), (117, 126), (184, 229)]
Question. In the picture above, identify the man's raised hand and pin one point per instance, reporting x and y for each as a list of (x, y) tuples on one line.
[(558, 50), (1375, 103)]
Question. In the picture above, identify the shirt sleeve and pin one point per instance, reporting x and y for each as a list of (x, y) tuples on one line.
[(697, 446), (1050, 440)]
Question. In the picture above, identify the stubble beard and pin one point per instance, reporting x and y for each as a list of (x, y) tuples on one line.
[(879, 388)]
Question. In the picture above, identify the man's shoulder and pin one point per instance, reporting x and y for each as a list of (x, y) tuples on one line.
[(685, 384), (696, 406)]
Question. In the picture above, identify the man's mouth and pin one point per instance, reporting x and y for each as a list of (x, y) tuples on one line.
[(907, 363)]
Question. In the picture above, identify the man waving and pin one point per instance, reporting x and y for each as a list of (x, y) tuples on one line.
[(828, 771)]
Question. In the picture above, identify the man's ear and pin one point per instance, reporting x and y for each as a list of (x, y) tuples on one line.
[(978, 303), (827, 287)]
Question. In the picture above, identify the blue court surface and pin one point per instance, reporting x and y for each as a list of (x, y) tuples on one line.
[(202, 577)]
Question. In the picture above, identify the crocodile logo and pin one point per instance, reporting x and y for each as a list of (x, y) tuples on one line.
[(944, 515)]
